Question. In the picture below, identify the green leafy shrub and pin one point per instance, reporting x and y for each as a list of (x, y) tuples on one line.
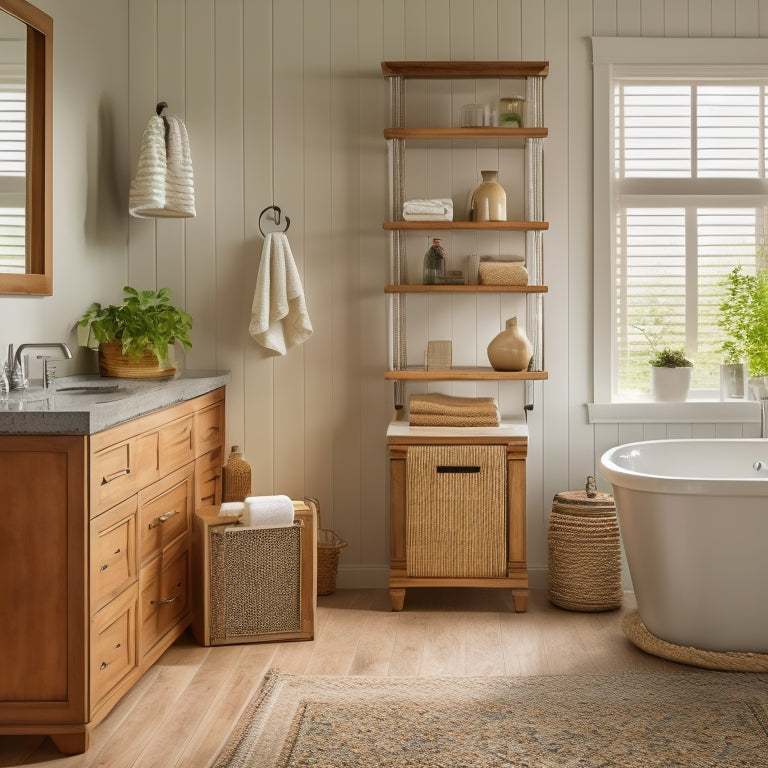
[(744, 318)]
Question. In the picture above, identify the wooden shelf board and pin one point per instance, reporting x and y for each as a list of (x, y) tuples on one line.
[(490, 132), (477, 225), (464, 69), (464, 374), (466, 289)]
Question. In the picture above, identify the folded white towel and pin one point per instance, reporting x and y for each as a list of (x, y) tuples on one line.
[(279, 317), (231, 509), (268, 512), (163, 186), (428, 216), (434, 206)]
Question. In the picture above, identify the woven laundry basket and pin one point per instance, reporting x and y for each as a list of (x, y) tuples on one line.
[(236, 477), (329, 547), (584, 551)]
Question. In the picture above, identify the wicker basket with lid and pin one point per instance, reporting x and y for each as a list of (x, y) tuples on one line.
[(584, 551)]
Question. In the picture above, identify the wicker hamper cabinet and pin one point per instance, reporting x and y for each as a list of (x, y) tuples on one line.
[(457, 510), (254, 585)]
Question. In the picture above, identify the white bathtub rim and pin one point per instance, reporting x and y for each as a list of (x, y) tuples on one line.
[(716, 485)]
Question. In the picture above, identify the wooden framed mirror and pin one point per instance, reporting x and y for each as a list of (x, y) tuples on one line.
[(26, 92)]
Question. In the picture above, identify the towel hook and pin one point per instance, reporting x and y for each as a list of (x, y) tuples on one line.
[(272, 213), (161, 105)]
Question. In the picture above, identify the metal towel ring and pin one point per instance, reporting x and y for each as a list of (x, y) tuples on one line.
[(280, 223)]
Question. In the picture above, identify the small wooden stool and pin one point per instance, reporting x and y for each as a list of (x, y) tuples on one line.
[(584, 551), (253, 585)]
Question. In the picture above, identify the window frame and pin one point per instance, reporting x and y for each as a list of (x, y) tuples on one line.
[(641, 57)]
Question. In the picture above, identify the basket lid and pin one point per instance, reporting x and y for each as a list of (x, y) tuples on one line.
[(588, 501)]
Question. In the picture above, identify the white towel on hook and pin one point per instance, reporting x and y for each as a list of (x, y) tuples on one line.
[(163, 186), (279, 317)]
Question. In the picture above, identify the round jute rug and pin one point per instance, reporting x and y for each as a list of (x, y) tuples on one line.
[(727, 661)]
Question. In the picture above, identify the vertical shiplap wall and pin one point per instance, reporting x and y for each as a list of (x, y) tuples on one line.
[(285, 103)]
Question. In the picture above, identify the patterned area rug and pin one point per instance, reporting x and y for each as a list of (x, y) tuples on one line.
[(648, 720)]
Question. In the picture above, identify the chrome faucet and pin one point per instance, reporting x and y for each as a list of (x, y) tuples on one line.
[(15, 374)]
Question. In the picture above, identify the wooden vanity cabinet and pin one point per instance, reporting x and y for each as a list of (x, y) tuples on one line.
[(96, 566)]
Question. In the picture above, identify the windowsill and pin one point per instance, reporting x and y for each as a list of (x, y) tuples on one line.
[(689, 412)]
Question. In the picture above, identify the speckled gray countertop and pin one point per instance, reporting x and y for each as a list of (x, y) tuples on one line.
[(85, 404)]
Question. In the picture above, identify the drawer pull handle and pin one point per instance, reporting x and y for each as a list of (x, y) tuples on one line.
[(164, 602), (120, 472), (103, 665), (160, 520), (448, 469), (104, 567)]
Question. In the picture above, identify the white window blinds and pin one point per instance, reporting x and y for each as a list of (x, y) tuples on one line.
[(689, 196)]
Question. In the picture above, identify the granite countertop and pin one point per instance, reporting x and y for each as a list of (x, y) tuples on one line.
[(86, 404)]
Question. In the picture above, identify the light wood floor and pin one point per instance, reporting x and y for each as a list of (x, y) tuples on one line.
[(181, 711)]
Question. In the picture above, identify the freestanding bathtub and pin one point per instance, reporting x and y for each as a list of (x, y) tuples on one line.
[(693, 516)]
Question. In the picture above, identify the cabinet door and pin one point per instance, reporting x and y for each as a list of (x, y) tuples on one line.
[(165, 511), (113, 644), (113, 560), (209, 428), (176, 443), (43, 529), (164, 599), (208, 479)]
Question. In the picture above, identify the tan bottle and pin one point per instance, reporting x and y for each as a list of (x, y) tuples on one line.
[(510, 350), (236, 477)]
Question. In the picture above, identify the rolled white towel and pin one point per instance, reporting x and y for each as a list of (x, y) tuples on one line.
[(268, 512), (231, 509)]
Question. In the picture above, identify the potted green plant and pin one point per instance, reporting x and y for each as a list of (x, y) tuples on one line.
[(670, 375), (744, 318), (135, 338)]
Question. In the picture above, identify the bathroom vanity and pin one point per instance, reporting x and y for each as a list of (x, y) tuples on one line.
[(99, 484)]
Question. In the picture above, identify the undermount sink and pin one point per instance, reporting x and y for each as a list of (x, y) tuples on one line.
[(90, 389)]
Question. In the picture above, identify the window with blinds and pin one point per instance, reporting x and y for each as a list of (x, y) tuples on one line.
[(13, 119), (689, 200)]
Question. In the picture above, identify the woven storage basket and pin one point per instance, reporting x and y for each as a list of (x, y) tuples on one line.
[(329, 546), (584, 552)]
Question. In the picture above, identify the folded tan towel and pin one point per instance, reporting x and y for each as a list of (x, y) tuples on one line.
[(435, 402), (435, 409), (442, 420)]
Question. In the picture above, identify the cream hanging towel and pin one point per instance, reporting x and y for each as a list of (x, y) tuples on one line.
[(163, 186), (279, 316)]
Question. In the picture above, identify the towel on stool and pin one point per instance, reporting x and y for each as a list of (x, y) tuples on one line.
[(231, 509), (268, 512), (279, 316)]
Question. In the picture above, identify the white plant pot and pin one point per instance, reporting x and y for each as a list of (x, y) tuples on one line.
[(670, 385)]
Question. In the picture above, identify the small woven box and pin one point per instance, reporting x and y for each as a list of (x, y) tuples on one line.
[(502, 273)]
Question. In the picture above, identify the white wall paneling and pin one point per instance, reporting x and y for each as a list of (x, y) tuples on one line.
[(285, 103)]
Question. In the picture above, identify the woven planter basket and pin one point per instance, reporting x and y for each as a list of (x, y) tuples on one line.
[(584, 552), (329, 546), (112, 362)]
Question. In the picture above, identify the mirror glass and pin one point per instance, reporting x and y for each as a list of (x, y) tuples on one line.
[(26, 40)]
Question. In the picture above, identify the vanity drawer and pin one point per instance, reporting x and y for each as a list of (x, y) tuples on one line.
[(114, 652), (113, 561), (177, 446), (114, 473), (208, 479), (209, 428), (165, 509), (164, 598)]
